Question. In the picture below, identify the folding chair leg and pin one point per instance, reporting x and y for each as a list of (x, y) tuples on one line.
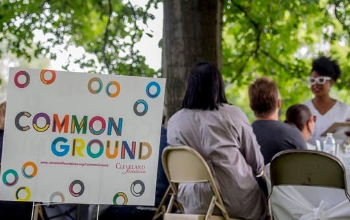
[(171, 203), (270, 211), (223, 210), (179, 206), (38, 212), (211, 208), (160, 210)]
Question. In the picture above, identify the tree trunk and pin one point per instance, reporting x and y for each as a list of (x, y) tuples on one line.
[(192, 33)]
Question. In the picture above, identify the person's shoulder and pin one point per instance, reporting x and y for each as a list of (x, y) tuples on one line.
[(233, 112), (291, 132), (308, 103), (176, 115), (288, 126), (343, 105), (267, 122), (267, 126), (280, 127), (288, 132), (228, 108)]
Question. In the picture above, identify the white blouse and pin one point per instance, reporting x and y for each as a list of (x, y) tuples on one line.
[(340, 112)]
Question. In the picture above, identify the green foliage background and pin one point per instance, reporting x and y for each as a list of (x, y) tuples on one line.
[(108, 29), (276, 38), (279, 39)]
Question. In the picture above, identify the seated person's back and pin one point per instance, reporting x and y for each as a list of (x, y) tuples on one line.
[(223, 136), (275, 136), (272, 135)]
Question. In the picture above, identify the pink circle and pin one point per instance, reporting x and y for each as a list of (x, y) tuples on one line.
[(22, 85)]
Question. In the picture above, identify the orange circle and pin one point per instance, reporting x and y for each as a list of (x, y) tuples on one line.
[(116, 84), (53, 76), (32, 164)]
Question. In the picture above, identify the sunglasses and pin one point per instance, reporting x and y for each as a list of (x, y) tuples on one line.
[(319, 80), (313, 118)]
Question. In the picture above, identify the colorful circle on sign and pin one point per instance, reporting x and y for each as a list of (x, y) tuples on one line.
[(6, 173), (95, 79), (156, 93), (145, 109), (120, 194), (51, 80), (91, 125), (27, 164), (22, 85), (82, 188), (18, 126), (53, 195), (117, 86), (141, 191), (89, 148), (47, 122), (28, 193)]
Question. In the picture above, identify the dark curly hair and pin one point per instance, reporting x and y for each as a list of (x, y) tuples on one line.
[(325, 66)]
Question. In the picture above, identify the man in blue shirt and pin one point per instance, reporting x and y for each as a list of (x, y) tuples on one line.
[(272, 135)]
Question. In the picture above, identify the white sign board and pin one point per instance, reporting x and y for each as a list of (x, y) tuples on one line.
[(81, 138)]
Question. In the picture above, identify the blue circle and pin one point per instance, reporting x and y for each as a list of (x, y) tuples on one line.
[(144, 103), (155, 95)]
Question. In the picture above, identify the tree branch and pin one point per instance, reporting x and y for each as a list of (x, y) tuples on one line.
[(293, 70), (106, 34), (133, 36), (255, 25), (341, 21), (240, 71)]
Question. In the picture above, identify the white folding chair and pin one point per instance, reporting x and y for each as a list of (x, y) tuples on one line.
[(185, 165), (306, 168)]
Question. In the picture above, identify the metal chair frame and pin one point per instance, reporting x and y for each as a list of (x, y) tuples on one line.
[(183, 164), (307, 168)]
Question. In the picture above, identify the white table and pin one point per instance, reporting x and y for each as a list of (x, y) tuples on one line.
[(307, 202)]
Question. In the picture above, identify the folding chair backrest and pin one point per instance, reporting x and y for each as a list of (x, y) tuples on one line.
[(183, 164), (311, 168)]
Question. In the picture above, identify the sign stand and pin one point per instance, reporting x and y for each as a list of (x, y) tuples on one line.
[(98, 211), (37, 211), (33, 211)]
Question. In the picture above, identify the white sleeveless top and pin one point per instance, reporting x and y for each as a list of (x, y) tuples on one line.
[(340, 112)]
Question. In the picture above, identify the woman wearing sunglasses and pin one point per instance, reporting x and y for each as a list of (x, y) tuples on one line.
[(328, 110), (300, 116)]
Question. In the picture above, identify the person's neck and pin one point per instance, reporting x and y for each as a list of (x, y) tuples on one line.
[(322, 99), (272, 117), (306, 134)]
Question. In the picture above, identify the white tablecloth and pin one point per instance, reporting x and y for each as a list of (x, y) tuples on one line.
[(309, 203)]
